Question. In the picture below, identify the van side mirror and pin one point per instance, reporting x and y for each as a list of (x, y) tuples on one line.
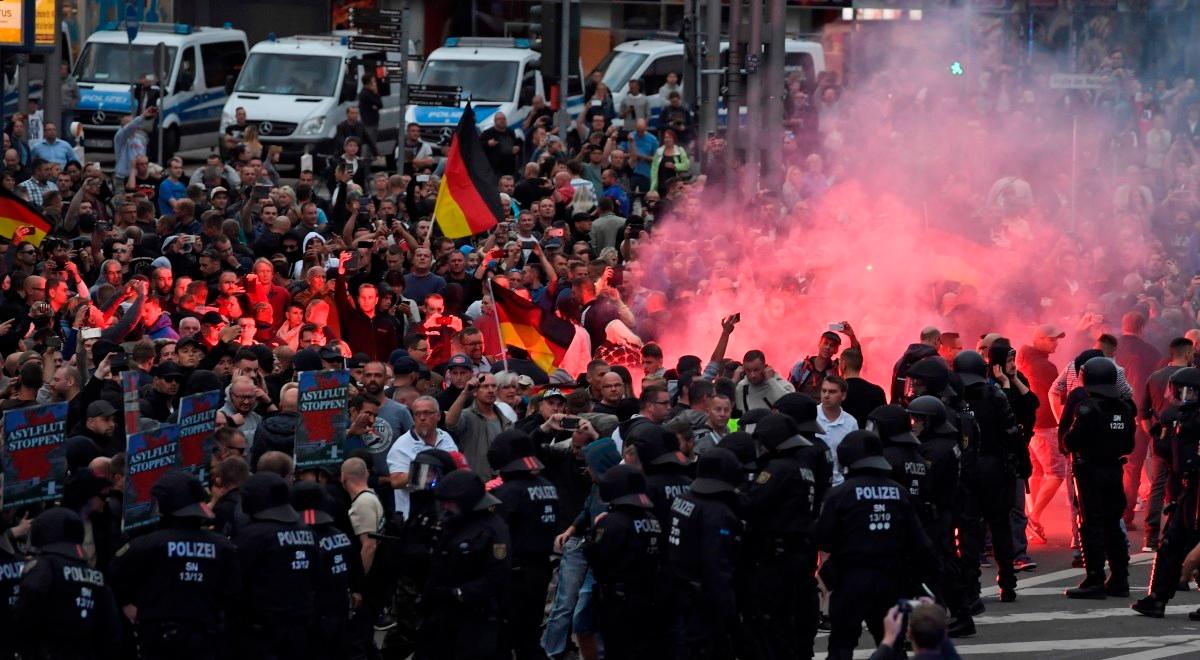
[(349, 91)]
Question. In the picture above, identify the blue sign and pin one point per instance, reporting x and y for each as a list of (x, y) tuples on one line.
[(131, 22)]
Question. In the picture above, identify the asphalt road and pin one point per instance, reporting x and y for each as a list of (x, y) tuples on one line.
[(1045, 625)]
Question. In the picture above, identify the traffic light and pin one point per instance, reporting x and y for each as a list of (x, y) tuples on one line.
[(552, 16)]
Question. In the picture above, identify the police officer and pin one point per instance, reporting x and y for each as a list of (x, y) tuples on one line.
[(12, 562), (743, 446), (702, 550), (418, 536), (529, 504), (940, 449), (177, 582), (870, 529), (1177, 443), (337, 563), (623, 553), (465, 596), (902, 450), (781, 506), (278, 558), (65, 610), (1098, 439), (995, 455), (666, 470), (803, 410)]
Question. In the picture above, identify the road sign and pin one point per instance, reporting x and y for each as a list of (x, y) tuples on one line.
[(439, 95), (385, 44), (162, 63), (1079, 81), (131, 22), (382, 16)]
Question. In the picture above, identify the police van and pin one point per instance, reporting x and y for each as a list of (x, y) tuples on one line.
[(31, 74), (650, 60), (297, 90), (496, 75), (204, 63)]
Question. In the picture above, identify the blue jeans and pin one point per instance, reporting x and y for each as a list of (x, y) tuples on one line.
[(1019, 521), (572, 601)]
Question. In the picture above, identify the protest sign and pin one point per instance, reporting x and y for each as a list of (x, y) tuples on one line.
[(35, 462), (150, 455), (324, 418)]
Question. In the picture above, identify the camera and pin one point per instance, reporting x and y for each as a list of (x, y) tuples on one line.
[(569, 423)]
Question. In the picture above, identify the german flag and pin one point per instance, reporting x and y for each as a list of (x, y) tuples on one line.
[(16, 213), (468, 200), (527, 326)]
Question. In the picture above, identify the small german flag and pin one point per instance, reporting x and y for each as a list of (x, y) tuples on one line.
[(527, 326), (468, 200), (16, 213)]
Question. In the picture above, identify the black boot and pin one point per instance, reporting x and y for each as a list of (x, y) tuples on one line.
[(961, 626), (1092, 588), (1151, 607), (1008, 594), (1117, 585)]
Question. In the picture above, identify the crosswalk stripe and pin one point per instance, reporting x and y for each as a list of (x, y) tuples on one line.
[(1164, 646), (1055, 576), (1135, 591), (1165, 652), (1069, 615)]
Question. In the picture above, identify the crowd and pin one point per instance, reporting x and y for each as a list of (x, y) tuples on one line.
[(712, 509)]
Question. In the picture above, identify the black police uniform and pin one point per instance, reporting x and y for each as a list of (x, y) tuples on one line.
[(702, 550), (412, 552), (181, 578), (902, 450), (337, 564), (876, 544), (666, 470), (1100, 436), (278, 558), (466, 594), (781, 507), (803, 410), (996, 474), (529, 505), (1179, 446), (65, 609), (623, 553), (12, 563)]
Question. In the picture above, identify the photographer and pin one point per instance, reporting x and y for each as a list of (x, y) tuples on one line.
[(926, 626)]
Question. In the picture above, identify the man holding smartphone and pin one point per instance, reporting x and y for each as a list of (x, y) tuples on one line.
[(474, 421)]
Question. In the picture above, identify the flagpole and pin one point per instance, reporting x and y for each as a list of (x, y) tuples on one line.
[(499, 328)]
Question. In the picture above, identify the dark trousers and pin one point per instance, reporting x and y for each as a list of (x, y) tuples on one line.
[(861, 595), (782, 617), (523, 634), (1158, 492), (1179, 539), (971, 534), (698, 631), (995, 488), (277, 640), (951, 587), (1133, 471), (1101, 505), (361, 633), (622, 617), (168, 640)]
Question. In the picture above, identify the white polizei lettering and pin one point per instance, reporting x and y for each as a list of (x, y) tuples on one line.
[(647, 525), (877, 492), (683, 507), (192, 549), (542, 493), (295, 537)]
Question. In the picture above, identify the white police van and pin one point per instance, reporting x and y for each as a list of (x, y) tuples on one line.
[(204, 63), (297, 90), (650, 60), (496, 75)]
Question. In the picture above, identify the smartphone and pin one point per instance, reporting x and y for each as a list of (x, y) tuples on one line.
[(569, 423), (104, 225), (90, 333), (422, 178), (366, 245), (737, 317), (119, 362), (261, 191), (54, 343), (837, 327), (353, 263)]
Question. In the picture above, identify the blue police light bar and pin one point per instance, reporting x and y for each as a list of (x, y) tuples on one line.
[(452, 42), (487, 42), (345, 41), (227, 25), (183, 28), (272, 37)]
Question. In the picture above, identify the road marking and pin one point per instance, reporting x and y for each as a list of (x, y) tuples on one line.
[(1162, 646), (1135, 591), (1069, 615), (1046, 578)]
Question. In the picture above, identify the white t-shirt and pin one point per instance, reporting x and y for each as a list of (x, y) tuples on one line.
[(835, 431), (400, 456)]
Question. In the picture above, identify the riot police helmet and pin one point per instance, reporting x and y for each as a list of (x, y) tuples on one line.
[(970, 367)]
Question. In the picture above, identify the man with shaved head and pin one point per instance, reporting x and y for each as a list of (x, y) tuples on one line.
[(927, 347)]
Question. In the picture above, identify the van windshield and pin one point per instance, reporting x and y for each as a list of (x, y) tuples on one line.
[(291, 75), (109, 63), (480, 80), (618, 67)]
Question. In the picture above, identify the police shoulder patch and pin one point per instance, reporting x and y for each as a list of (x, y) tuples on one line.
[(763, 477), (499, 550)]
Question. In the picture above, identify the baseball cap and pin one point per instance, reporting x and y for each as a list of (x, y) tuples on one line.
[(191, 340), (167, 369), (358, 361), (1048, 330), (219, 190), (331, 354), (832, 336), (212, 318), (100, 408), (459, 360), (403, 364), (553, 392)]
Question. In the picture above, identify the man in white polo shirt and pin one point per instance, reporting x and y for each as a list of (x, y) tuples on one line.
[(424, 435), (836, 422)]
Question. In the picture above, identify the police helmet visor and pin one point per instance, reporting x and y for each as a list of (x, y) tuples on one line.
[(424, 476), (1187, 393), (913, 388)]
